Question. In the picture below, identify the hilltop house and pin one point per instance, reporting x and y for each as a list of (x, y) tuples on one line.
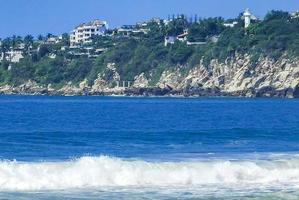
[(83, 33), (53, 40), (183, 37), (133, 29), (231, 25), (126, 29), (294, 14), (171, 39), (13, 55)]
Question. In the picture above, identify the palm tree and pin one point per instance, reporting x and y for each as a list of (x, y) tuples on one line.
[(49, 35), (28, 41), (40, 37), (16, 41)]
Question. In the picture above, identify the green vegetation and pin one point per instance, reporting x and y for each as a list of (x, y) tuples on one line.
[(205, 28), (276, 35)]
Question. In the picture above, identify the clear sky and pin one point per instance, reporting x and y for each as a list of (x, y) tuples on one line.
[(21, 17)]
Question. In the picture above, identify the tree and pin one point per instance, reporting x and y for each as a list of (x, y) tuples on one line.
[(65, 39), (177, 26), (179, 53), (40, 37), (277, 15), (43, 50), (16, 41), (49, 35), (28, 41), (205, 28)]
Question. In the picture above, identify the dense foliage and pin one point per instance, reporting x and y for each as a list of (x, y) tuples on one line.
[(276, 35)]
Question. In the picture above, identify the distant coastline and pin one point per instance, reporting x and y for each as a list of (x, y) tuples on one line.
[(245, 56), (33, 90)]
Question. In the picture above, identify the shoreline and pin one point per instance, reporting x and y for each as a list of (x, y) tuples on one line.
[(33, 89), (147, 96)]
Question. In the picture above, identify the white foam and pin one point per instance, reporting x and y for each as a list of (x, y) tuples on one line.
[(103, 171)]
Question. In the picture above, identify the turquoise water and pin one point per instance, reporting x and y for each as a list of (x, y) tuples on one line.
[(148, 148)]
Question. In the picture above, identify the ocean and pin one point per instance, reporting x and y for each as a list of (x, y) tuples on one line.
[(148, 148)]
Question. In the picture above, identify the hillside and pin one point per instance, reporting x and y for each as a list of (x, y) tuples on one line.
[(216, 57)]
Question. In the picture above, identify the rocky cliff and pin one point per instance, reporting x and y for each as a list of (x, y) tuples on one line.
[(236, 76)]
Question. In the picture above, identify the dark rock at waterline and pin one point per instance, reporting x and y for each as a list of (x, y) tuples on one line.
[(266, 91), (199, 91), (150, 91), (269, 91), (296, 92)]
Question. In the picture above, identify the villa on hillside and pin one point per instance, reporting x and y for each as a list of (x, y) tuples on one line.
[(84, 32), (294, 14), (128, 30), (171, 39), (231, 25), (53, 40), (13, 55), (183, 37)]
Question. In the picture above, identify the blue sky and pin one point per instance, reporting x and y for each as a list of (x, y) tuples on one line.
[(21, 17)]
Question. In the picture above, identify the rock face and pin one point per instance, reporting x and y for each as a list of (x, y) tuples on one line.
[(296, 92), (29, 87), (141, 81), (234, 77), (99, 84), (170, 79), (238, 77), (69, 89)]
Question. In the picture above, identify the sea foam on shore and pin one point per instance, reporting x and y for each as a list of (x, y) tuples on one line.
[(104, 171)]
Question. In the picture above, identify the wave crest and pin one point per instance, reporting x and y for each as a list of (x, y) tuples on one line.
[(104, 171)]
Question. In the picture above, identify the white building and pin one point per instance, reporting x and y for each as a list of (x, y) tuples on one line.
[(183, 37), (12, 56), (171, 39), (53, 40), (133, 29), (247, 16), (294, 14), (231, 25), (83, 33)]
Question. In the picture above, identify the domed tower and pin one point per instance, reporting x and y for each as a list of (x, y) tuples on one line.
[(247, 16)]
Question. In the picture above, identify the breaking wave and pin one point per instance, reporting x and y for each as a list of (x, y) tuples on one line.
[(104, 171)]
